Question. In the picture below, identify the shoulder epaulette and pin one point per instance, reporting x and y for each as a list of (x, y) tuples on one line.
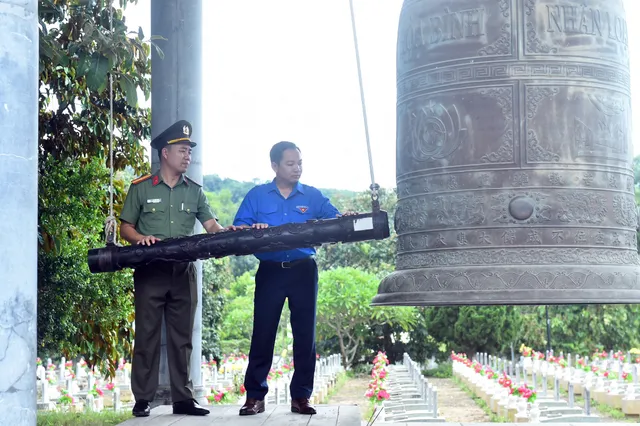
[(191, 180), (140, 179)]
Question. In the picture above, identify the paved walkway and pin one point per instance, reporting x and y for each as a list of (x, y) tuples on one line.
[(455, 405), (352, 393), (346, 408), (275, 415)]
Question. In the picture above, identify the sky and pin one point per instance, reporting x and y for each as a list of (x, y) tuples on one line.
[(286, 70)]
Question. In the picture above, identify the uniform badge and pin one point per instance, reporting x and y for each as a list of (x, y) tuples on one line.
[(156, 180), (154, 201), (185, 130), (303, 209)]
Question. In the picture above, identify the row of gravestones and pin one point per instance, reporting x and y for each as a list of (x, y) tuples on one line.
[(608, 380), (548, 407), (326, 376), (613, 362), (74, 387), (412, 398)]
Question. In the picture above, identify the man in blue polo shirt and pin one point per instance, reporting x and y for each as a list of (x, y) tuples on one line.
[(291, 274)]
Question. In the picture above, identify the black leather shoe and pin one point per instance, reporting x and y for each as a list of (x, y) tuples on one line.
[(252, 406), (141, 409), (189, 407), (302, 406)]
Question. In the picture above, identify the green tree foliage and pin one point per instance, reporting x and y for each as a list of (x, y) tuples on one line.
[(344, 311), (81, 313), (78, 50), (214, 183), (372, 256), (472, 329), (237, 320), (243, 264), (421, 344), (216, 275), (223, 205), (584, 328)]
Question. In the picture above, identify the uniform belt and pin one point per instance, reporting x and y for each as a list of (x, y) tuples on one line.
[(288, 264)]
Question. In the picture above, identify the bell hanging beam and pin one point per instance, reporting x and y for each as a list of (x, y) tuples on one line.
[(370, 226), (514, 174)]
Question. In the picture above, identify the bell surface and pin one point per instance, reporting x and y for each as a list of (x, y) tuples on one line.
[(514, 155)]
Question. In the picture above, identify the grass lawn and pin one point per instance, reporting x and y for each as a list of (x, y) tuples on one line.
[(106, 418)]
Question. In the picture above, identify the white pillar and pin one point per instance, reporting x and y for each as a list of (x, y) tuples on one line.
[(18, 210), (176, 94)]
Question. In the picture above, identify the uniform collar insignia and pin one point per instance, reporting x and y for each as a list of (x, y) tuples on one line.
[(157, 179)]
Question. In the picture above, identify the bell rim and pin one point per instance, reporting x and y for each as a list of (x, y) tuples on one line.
[(515, 285)]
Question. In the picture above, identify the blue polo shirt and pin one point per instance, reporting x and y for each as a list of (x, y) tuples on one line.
[(265, 204)]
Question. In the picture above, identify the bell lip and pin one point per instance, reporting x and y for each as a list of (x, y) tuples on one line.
[(602, 289), (431, 299)]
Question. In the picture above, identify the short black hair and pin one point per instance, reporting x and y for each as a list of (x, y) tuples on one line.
[(278, 150), (160, 152)]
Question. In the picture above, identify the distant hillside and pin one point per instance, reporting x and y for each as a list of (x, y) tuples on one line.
[(214, 183)]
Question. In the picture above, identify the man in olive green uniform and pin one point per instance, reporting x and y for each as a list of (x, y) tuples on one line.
[(160, 206)]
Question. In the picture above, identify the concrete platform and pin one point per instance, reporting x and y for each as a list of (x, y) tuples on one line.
[(274, 415)]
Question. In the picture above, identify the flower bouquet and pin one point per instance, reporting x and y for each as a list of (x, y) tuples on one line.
[(525, 392), (222, 396), (96, 392), (376, 393), (526, 351)]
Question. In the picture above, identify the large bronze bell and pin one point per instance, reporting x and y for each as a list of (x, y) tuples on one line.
[(513, 155)]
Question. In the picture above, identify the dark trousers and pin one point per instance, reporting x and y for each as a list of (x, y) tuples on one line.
[(169, 289), (274, 284)]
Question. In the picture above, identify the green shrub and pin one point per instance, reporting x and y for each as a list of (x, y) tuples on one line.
[(442, 371)]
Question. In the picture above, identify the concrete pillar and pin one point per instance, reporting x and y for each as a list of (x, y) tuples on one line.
[(176, 94), (18, 210)]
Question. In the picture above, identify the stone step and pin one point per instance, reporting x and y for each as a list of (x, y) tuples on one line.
[(562, 411), (571, 419)]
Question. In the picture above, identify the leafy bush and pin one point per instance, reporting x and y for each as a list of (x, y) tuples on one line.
[(216, 275), (79, 313), (442, 371)]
